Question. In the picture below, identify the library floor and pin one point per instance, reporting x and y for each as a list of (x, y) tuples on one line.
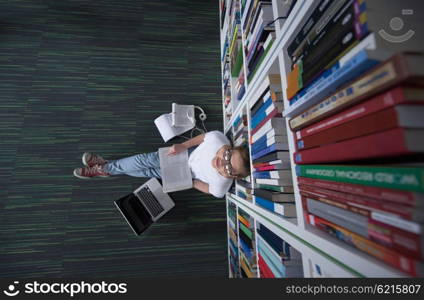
[(81, 76)]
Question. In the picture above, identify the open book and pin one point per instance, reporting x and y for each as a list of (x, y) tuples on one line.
[(175, 171), (166, 130)]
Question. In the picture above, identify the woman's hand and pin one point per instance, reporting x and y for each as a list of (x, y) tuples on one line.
[(176, 148)]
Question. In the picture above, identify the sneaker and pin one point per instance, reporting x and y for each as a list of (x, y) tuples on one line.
[(91, 159), (89, 172)]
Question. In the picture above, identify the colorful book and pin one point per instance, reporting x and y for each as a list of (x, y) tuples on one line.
[(276, 188), (412, 199), (264, 111), (401, 116), (389, 143), (264, 269), (401, 262), (273, 196), (273, 114), (286, 210), (278, 124), (279, 155), (363, 205), (270, 149), (395, 177), (340, 73), (400, 68), (264, 142), (273, 174), (385, 100), (268, 134)]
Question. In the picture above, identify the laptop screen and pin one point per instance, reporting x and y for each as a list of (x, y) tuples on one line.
[(134, 212)]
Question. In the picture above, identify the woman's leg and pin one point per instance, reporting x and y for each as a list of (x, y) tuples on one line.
[(140, 165)]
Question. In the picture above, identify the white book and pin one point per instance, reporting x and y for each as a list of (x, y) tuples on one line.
[(269, 39), (183, 115), (166, 130), (175, 171), (276, 182), (278, 124)]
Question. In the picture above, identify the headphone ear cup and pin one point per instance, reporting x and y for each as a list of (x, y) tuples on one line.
[(202, 116)]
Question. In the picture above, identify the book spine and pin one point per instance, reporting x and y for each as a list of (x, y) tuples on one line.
[(396, 196), (255, 121), (377, 103), (402, 178), (375, 81), (264, 152), (273, 114), (356, 203), (377, 122), (280, 189), (285, 210), (365, 147), (393, 258), (263, 267), (277, 124), (317, 15), (335, 76)]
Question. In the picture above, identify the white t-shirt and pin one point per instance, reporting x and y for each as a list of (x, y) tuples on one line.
[(200, 162)]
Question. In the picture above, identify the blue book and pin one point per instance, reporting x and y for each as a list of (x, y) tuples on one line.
[(271, 259), (264, 152), (259, 145), (237, 121), (285, 210), (247, 251), (329, 81), (272, 239), (260, 114), (241, 93), (266, 103)]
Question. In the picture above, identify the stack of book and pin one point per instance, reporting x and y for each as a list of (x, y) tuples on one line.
[(259, 35), (247, 244), (276, 258), (232, 241), (244, 190), (377, 209), (269, 149), (240, 130), (360, 110), (340, 41), (223, 11), (236, 52)]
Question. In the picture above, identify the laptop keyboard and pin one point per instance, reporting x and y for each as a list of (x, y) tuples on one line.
[(150, 201)]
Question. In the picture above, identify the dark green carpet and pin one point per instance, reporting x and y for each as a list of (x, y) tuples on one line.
[(79, 76)]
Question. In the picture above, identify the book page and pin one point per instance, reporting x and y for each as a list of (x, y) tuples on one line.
[(176, 175), (166, 130)]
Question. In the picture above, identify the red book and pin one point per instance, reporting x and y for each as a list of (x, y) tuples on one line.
[(272, 114), (395, 96), (385, 234), (405, 116), (263, 267), (397, 196), (266, 168), (408, 243), (388, 143), (395, 259), (363, 205)]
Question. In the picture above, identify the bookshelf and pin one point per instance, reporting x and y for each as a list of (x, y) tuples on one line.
[(320, 255)]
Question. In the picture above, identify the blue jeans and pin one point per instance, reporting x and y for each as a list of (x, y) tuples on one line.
[(140, 165)]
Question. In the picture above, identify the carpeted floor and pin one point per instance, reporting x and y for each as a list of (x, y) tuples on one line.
[(79, 75)]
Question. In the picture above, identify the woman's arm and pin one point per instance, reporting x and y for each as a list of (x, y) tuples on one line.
[(177, 148), (201, 186)]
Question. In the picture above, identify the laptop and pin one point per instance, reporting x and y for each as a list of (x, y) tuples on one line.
[(175, 171), (146, 205)]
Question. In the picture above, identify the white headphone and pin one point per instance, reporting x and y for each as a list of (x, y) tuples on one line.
[(202, 115)]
